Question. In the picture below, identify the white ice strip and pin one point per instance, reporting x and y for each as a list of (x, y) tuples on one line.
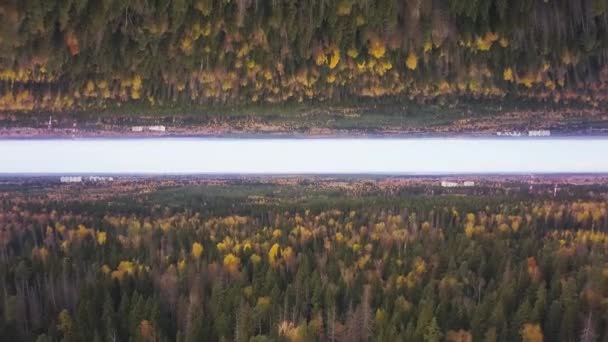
[(304, 156)]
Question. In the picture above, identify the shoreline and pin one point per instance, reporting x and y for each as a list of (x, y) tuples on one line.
[(29, 133)]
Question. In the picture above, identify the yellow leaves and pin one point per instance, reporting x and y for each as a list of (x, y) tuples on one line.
[(206, 30), (263, 302), (503, 228), (482, 45), (64, 323), (319, 57), (136, 82), (106, 269), (363, 261), (507, 75), (582, 216), (531, 333), (411, 61), (124, 268), (40, 253), (448, 282), (485, 43), (82, 232), (203, 6), (376, 48), (232, 262), (8, 75), (255, 259), (186, 45), (287, 253), (491, 36), (515, 223), (426, 226), (504, 42), (276, 233), (444, 87), (403, 304), (101, 238), (527, 80), (227, 85), (334, 58), (470, 217), (65, 246), (248, 291), (352, 53), (568, 58), (339, 237), (470, 229), (247, 246), (89, 88), (273, 253), (383, 66), (267, 75), (290, 331), (181, 265), (428, 46), (360, 20), (225, 245), (361, 66), (419, 266), (344, 8), (197, 250)]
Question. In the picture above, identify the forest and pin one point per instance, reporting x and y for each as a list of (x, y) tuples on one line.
[(80, 55), (303, 263)]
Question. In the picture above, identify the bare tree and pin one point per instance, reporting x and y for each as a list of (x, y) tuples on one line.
[(588, 334)]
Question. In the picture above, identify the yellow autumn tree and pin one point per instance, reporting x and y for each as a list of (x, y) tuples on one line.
[(197, 250), (376, 48), (64, 323), (531, 333), (334, 58), (411, 61), (344, 8), (507, 74), (101, 238), (273, 253), (232, 263)]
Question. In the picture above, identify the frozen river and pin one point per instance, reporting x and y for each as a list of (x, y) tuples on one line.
[(304, 156)]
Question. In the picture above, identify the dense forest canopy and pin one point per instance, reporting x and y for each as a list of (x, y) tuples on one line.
[(79, 54), (223, 264)]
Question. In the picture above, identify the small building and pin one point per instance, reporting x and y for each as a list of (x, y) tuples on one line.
[(468, 183), (539, 133), (100, 179), (157, 128), (137, 129), (70, 179), (447, 184), (509, 134)]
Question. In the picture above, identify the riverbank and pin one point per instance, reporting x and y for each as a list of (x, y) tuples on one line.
[(383, 118)]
